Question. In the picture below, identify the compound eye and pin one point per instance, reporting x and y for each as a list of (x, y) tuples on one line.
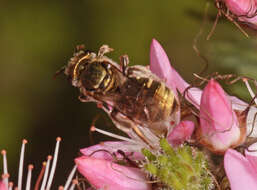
[(92, 76)]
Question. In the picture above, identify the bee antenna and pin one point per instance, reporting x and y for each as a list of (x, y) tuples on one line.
[(58, 72)]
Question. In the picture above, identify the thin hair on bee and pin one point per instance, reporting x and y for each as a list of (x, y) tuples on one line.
[(224, 11)]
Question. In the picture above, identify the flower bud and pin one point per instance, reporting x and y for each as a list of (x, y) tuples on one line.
[(219, 126), (245, 10), (181, 133)]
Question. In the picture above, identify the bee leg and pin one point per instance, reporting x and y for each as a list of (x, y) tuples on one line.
[(125, 124), (103, 50), (124, 61), (83, 98)]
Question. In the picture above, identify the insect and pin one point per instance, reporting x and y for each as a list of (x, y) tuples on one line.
[(138, 102)]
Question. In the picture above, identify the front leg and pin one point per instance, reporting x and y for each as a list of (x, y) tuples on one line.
[(127, 125)]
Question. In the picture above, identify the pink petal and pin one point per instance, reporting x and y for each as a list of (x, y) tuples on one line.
[(181, 133), (241, 7), (219, 124), (105, 150), (110, 176), (3, 186), (251, 22), (251, 155), (245, 9), (239, 171), (160, 65)]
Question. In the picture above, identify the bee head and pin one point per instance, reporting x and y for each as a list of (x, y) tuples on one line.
[(92, 75), (79, 57)]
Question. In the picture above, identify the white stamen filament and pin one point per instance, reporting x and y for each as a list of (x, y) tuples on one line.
[(5, 179), (51, 176), (67, 184), (49, 158), (24, 142), (28, 184), (112, 135), (250, 90), (10, 186), (74, 183)]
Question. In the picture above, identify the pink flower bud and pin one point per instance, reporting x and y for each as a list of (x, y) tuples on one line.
[(103, 174), (181, 133), (244, 9), (219, 126), (241, 7), (240, 171)]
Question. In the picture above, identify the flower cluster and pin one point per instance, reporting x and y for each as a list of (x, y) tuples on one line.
[(224, 123)]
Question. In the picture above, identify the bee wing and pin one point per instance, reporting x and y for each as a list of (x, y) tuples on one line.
[(141, 71)]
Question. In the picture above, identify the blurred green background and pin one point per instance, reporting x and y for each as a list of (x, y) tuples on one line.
[(39, 37)]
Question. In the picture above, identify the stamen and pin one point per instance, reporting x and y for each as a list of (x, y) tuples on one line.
[(74, 183), (250, 90), (93, 128), (5, 180), (60, 188), (24, 142), (51, 176), (49, 158), (28, 184), (15, 188), (10, 186), (40, 176), (70, 178)]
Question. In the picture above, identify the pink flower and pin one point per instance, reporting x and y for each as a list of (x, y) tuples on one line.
[(160, 65), (241, 171), (219, 125), (106, 174), (98, 167), (244, 9), (181, 133)]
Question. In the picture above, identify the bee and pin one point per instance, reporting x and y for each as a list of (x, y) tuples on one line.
[(138, 102)]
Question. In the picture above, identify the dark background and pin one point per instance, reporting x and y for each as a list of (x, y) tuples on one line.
[(39, 37)]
